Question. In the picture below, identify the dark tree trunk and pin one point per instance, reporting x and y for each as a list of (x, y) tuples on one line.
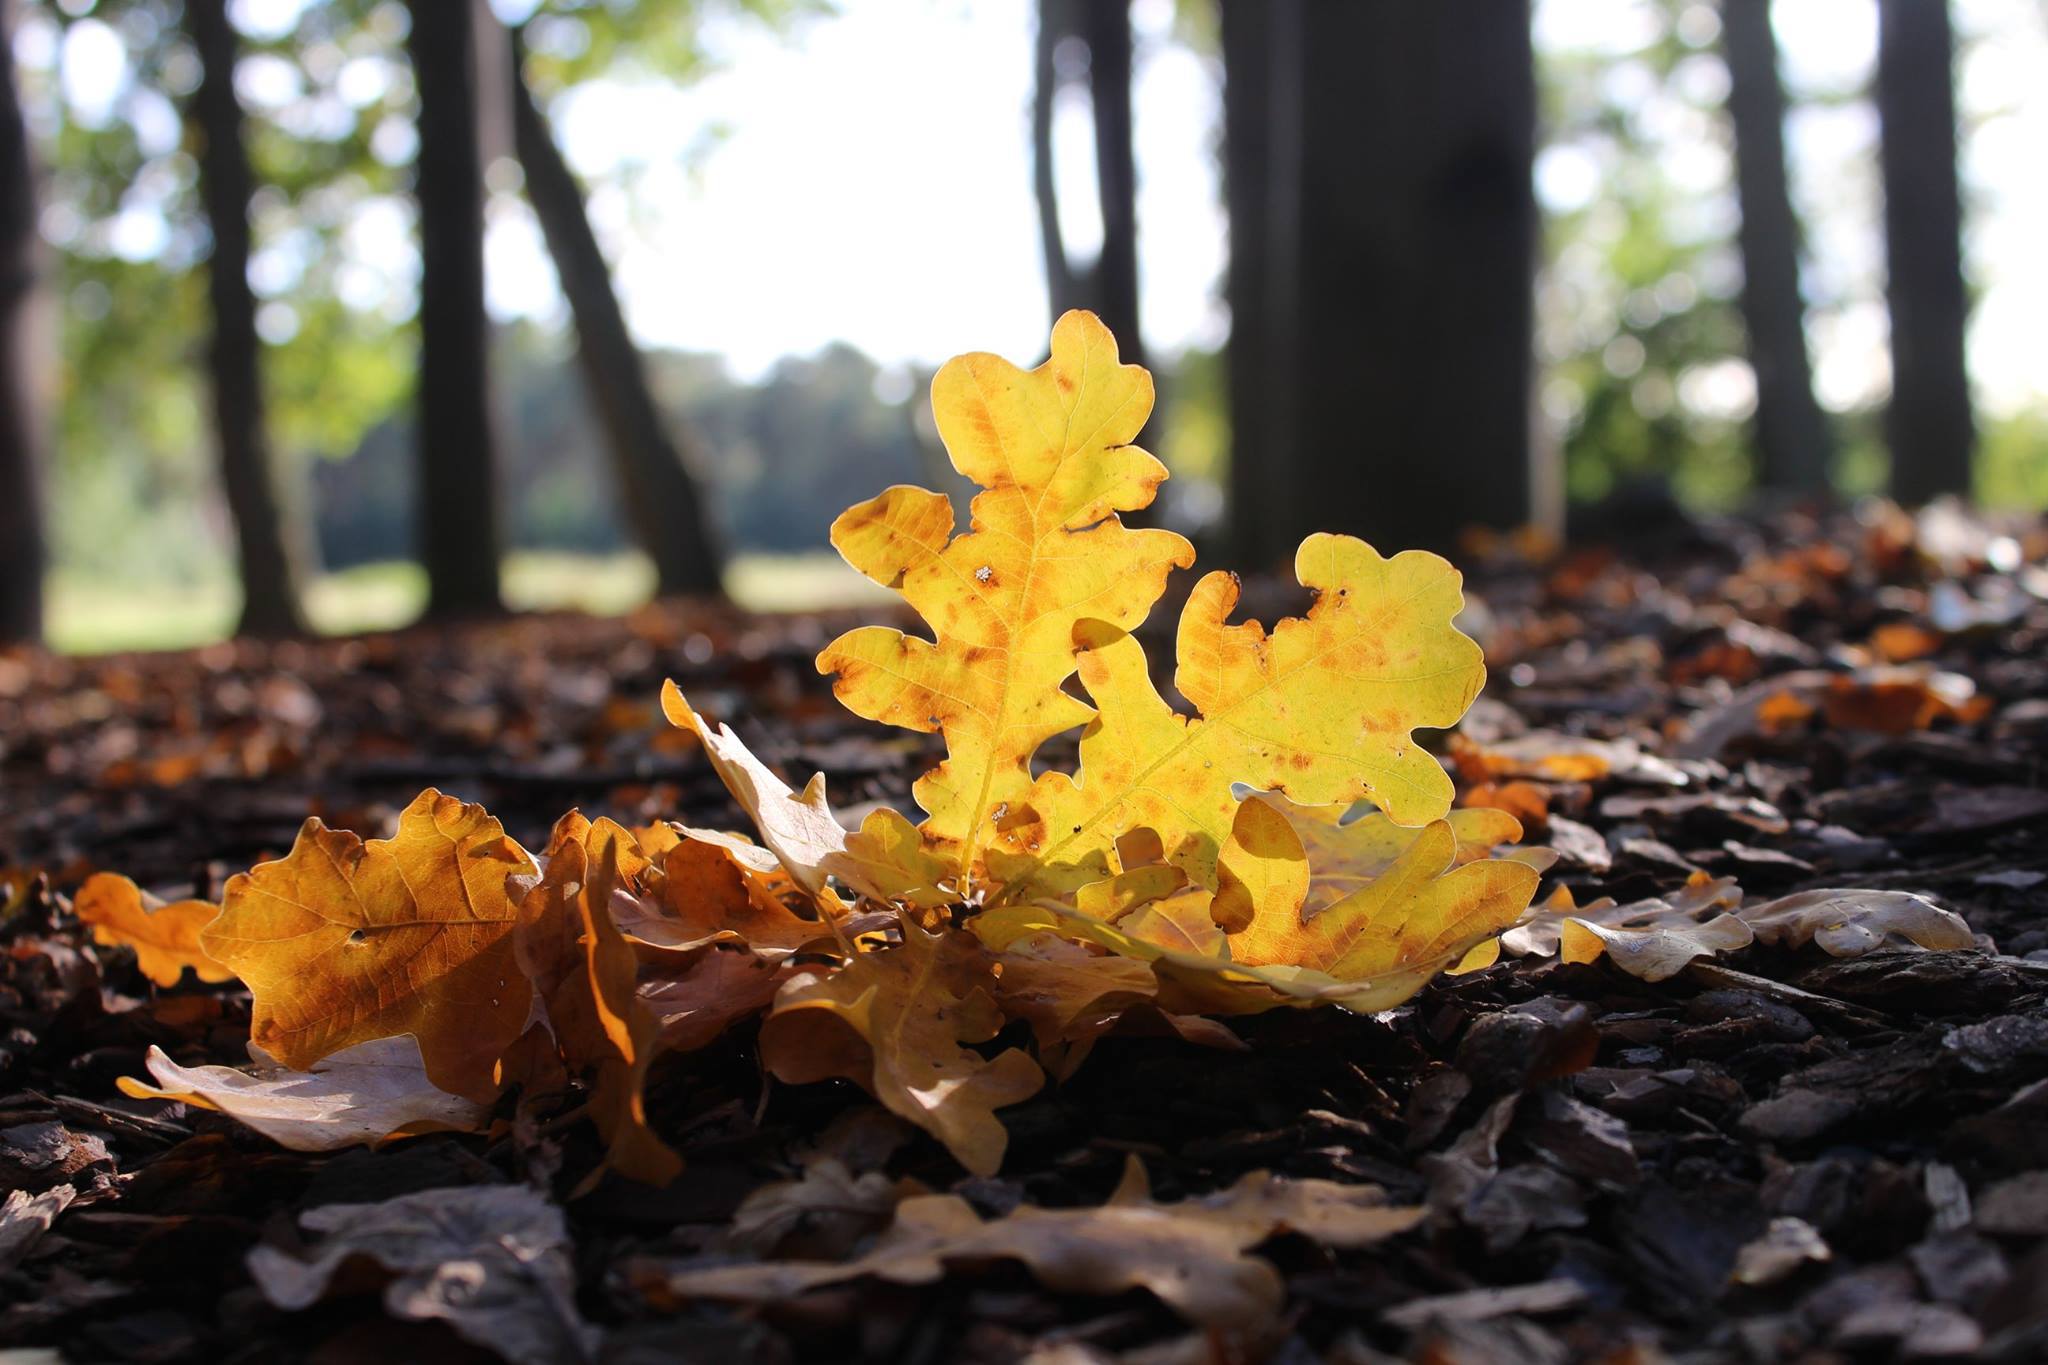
[(1108, 284), (1063, 286), (661, 501), (457, 454), (1106, 24), (23, 420), (1398, 278), (1793, 444), (1929, 422), (270, 552), (1255, 497)]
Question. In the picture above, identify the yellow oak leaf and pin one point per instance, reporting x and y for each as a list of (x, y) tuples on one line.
[(1052, 450), (165, 937), (342, 941), (1419, 916), (586, 975), (898, 1022), (1321, 710)]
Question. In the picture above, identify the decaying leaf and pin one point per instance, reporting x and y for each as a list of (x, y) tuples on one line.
[(1850, 923), (585, 974), (1192, 1254), (718, 890), (1068, 994), (896, 1022), (342, 941), (1052, 450), (165, 937), (1656, 939), (694, 1002), (362, 1094), (492, 1261)]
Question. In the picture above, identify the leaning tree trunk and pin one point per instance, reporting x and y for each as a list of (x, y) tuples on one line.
[(1929, 422), (1399, 270), (662, 502), (1793, 444), (458, 505), (23, 420), (1106, 25), (270, 551)]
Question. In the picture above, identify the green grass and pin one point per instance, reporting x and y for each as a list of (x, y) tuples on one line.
[(90, 616)]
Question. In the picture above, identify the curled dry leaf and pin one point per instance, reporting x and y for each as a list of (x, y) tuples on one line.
[(342, 941), (716, 888), (898, 1023), (1069, 995), (821, 1214), (362, 1094), (1655, 939), (165, 937), (492, 1261), (697, 1001), (1850, 923), (881, 861), (1192, 1254), (585, 974), (1052, 450)]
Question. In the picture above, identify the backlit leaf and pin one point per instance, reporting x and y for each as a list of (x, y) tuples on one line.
[(1051, 448), (342, 941), (165, 937)]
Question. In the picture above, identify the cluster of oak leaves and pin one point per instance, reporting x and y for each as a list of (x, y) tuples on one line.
[(1191, 867)]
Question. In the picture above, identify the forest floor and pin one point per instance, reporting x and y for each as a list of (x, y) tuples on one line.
[(1773, 1154)]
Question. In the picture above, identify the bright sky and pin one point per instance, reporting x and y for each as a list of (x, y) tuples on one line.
[(874, 187), (866, 179)]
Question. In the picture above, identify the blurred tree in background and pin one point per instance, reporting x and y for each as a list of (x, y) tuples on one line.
[(1390, 275)]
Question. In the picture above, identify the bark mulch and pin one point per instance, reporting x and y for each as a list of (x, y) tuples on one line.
[(1773, 1155)]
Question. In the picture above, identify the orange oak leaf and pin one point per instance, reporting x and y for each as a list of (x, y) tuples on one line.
[(342, 941), (1052, 450), (899, 1022), (586, 976), (165, 937)]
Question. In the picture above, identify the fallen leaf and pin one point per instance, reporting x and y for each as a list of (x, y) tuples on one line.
[(362, 1094), (165, 937), (1850, 923), (1321, 711), (894, 1022), (711, 891), (1052, 450), (342, 941), (585, 973), (492, 1261), (800, 829), (821, 1214), (1068, 994), (1192, 1255), (693, 1004), (1654, 940)]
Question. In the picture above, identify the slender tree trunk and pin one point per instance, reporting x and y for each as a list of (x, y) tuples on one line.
[(271, 552), (1929, 422), (1793, 442), (458, 506), (662, 502), (1063, 285), (1400, 254), (23, 416), (1106, 24), (1249, 154)]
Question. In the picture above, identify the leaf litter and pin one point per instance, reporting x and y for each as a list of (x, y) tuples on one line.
[(593, 1074)]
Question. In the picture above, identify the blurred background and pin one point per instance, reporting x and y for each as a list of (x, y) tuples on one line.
[(332, 314)]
